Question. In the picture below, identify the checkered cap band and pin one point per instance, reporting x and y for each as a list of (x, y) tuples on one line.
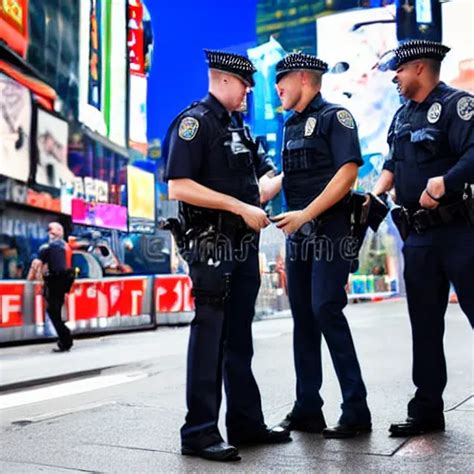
[(299, 61), (231, 63), (417, 49)]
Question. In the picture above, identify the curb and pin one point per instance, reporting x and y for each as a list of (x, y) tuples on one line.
[(16, 386)]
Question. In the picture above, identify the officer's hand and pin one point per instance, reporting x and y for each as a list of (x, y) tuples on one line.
[(428, 203), (255, 217), (436, 187), (290, 222)]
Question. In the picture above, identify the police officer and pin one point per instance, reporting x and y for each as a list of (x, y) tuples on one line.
[(321, 156), (432, 158), (56, 257), (213, 164)]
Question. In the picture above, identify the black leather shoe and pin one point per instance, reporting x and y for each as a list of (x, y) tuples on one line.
[(341, 430), (217, 452), (412, 427), (308, 425), (62, 349), (275, 435)]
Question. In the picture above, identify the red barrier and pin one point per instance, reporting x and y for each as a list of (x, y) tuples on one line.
[(124, 297), (39, 304), (11, 304), (92, 299), (97, 305), (173, 294)]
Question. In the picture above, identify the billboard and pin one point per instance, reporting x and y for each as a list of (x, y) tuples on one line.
[(97, 214), (90, 66), (14, 24), (137, 98), (141, 200), (37, 196), (52, 147), (94, 93), (116, 71), (363, 36), (137, 113), (15, 129), (458, 66)]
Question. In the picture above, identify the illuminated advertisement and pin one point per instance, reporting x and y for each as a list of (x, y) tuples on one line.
[(90, 64), (52, 146), (15, 129), (369, 94), (14, 24), (95, 71), (363, 36), (458, 66), (19, 193), (137, 111), (116, 70), (266, 112), (137, 97), (136, 52), (141, 200), (98, 214), (43, 199)]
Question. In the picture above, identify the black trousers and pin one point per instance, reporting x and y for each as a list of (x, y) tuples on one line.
[(220, 348), (318, 270), (433, 260), (55, 299)]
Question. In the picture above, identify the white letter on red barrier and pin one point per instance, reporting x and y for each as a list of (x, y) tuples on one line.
[(39, 309), (178, 291), (10, 304), (136, 297)]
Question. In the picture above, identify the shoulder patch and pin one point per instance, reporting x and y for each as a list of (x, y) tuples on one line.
[(434, 112), (345, 118), (465, 107), (309, 126), (188, 128)]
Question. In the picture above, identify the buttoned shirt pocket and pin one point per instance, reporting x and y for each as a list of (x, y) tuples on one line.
[(428, 143)]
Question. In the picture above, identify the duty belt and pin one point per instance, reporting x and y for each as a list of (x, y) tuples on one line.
[(421, 220), (362, 210), (425, 219)]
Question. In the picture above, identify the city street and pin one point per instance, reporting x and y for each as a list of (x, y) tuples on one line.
[(116, 403)]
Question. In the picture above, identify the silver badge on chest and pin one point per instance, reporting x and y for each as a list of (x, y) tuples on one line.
[(434, 113), (309, 126), (236, 144)]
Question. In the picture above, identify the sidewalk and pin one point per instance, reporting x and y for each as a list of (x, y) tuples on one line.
[(134, 427)]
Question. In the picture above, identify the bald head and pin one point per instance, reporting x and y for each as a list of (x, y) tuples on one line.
[(55, 231)]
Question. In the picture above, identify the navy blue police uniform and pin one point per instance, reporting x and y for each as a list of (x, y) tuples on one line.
[(56, 255), (215, 149), (317, 143), (430, 139)]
